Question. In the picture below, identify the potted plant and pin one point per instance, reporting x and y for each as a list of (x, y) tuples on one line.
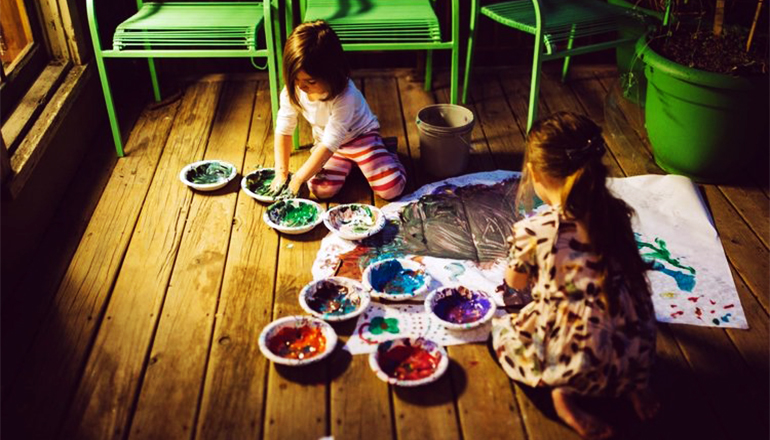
[(707, 95)]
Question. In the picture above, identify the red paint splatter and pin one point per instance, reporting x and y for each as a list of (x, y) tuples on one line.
[(693, 298), (713, 311), (673, 306), (298, 343), (730, 306), (698, 312), (675, 314), (364, 338), (712, 302)]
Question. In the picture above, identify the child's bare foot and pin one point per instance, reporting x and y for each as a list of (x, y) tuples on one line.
[(645, 403), (585, 424)]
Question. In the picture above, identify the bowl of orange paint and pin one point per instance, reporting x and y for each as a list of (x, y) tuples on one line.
[(297, 340), (409, 362)]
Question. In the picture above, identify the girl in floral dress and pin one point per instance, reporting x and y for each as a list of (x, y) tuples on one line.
[(590, 328)]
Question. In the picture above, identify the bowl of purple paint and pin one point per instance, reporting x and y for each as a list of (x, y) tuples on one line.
[(334, 298), (459, 308), (409, 362), (297, 340), (396, 279)]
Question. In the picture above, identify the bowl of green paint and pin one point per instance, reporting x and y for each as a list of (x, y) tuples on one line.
[(334, 298), (257, 184), (396, 279), (297, 340), (354, 221), (409, 362), (208, 175), (293, 216)]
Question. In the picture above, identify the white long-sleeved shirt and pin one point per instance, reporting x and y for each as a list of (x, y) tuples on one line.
[(335, 122)]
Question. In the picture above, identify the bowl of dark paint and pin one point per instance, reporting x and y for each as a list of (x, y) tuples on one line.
[(396, 279), (459, 308), (257, 183), (208, 175), (354, 221), (334, 298), (297, 340), (293, 216), (409, 362)]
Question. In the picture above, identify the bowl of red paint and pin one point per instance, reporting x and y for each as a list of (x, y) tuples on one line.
[(459, 308), (297, 340), (334, 298), (396, 279), (409, 362)]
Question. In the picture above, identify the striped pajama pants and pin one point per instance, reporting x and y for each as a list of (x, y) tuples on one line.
[(382, 169)]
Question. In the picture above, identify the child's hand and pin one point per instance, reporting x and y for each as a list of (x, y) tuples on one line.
[(278, 185)]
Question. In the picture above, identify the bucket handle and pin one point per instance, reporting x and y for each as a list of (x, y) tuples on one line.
[(467, 144)]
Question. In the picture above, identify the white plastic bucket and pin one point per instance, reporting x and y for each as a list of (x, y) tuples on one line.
[(445, 132)]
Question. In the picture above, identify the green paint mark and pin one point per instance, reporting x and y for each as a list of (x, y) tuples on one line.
[(660, 253), (259, 181), (210, 172), (381, 325), (292, 213)]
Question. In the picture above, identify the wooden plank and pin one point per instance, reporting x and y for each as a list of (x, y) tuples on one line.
[(296, 405), (752, 204), (233, 392), (103, 403), (180, 345), (427, 412), (502, 126), (747, 254), (53, 31), (23, 311), (56, 356), (413, 98), (33, 103), (753, 343), (359, 402), (38, 138)]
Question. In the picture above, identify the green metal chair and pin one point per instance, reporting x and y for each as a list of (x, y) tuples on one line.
[(372, 25), (188, 30), (556, 25)]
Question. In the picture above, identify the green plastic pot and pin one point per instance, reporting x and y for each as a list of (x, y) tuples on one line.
[(703, 125)]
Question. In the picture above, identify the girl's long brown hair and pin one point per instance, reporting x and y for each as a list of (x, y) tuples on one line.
[(569, 146), (316, 49)]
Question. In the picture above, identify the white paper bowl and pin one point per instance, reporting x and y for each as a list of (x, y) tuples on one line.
[(384, 361), (459, 308), (272, 212), (354, 221), (258, 175), (377, 275), (334, 298), (186, 175), (286, 325)]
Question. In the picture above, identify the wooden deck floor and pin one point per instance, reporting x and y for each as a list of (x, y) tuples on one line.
[(141, 313)]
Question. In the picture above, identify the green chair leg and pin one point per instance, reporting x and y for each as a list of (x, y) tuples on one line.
[(428, 70), (570, 41), (154, 79), (111, 115), (534, 86), (471, 43)]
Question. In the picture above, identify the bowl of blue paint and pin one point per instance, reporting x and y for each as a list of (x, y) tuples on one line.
[(459, 308), (293, 216), (409, 362), (257, 183), (334, 298), (297, 340), (396, 279), (354, 221), (208, 175)]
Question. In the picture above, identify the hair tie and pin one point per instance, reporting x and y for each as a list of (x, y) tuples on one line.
[(593, 148)]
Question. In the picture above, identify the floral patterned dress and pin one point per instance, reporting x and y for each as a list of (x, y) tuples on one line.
[(573, 333)]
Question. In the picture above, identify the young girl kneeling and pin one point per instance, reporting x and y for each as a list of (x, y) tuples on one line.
[(345, 131), (590, 328)]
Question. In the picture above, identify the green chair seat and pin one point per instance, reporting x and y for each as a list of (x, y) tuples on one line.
[(194, 29)]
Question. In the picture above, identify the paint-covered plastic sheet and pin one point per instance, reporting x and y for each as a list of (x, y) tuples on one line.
[(457, 229)]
